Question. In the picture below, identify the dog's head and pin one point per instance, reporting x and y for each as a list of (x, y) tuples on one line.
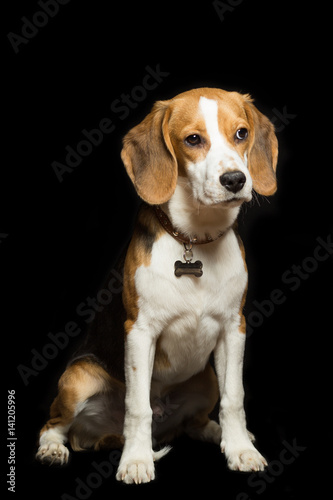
[(218, 140)]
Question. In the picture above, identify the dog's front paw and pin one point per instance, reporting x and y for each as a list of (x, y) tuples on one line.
[(136, 470), (246, 460)]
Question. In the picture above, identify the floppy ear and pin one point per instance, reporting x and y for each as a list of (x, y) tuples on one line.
[(149, 157), (263, 151)]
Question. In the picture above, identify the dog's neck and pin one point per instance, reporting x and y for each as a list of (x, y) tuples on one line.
[(194, 219)]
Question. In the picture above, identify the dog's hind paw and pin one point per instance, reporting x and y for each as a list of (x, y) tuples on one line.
[(53, 454)]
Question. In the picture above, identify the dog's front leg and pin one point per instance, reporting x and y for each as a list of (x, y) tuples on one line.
[(236, 440), (136, 464)]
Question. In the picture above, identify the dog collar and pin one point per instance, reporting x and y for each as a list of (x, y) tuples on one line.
[(188, 267), (181, 237)]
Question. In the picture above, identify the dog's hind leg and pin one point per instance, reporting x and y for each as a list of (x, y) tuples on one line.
[(80, 381), (205, 395), (186, 408)]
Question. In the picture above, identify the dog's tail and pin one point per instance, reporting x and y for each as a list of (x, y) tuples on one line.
[(157, 455)]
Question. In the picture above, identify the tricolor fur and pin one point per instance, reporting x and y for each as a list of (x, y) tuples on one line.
[(199, 156)]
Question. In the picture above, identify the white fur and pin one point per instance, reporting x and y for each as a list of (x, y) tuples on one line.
[(194, 218), (190, 311)]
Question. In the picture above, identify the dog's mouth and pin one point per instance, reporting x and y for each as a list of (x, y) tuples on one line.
[(211, 198), (234, 199), (234, 202), (238, 200), (226, 204), (219, 199)]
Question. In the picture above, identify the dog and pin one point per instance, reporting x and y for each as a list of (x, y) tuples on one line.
[(143, 374)]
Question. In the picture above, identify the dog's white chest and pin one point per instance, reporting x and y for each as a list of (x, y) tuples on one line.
[(187, 314)]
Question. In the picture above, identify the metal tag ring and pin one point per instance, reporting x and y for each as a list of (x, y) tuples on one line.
[(188, 255)]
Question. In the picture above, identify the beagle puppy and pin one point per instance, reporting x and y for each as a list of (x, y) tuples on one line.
[(143, 375)]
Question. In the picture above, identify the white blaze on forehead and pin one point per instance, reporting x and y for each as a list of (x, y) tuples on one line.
[(209, 110), (204, 175)]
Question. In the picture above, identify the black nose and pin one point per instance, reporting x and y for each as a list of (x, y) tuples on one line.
[(233, 181)]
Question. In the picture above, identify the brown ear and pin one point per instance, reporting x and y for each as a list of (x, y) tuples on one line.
[(263, 152), (149, 157)]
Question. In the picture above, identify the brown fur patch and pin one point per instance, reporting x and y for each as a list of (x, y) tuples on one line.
[(242, 326), (149, 158), (147, 231), (110, 442), (79, 382), (263, 152), (162, 361)]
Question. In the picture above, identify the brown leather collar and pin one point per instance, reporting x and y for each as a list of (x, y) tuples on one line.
[(182, 238)]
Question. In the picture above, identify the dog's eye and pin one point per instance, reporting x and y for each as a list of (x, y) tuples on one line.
[(241, 134), (193, 140)]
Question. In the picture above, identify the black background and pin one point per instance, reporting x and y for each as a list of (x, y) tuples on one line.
[(58, 239)]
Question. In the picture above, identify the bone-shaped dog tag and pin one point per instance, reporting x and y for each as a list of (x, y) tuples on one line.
[(188, 268)]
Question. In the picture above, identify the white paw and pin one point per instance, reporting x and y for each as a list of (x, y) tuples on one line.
[(136, 471), (246, 460), (211, 432), (53, 454)]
